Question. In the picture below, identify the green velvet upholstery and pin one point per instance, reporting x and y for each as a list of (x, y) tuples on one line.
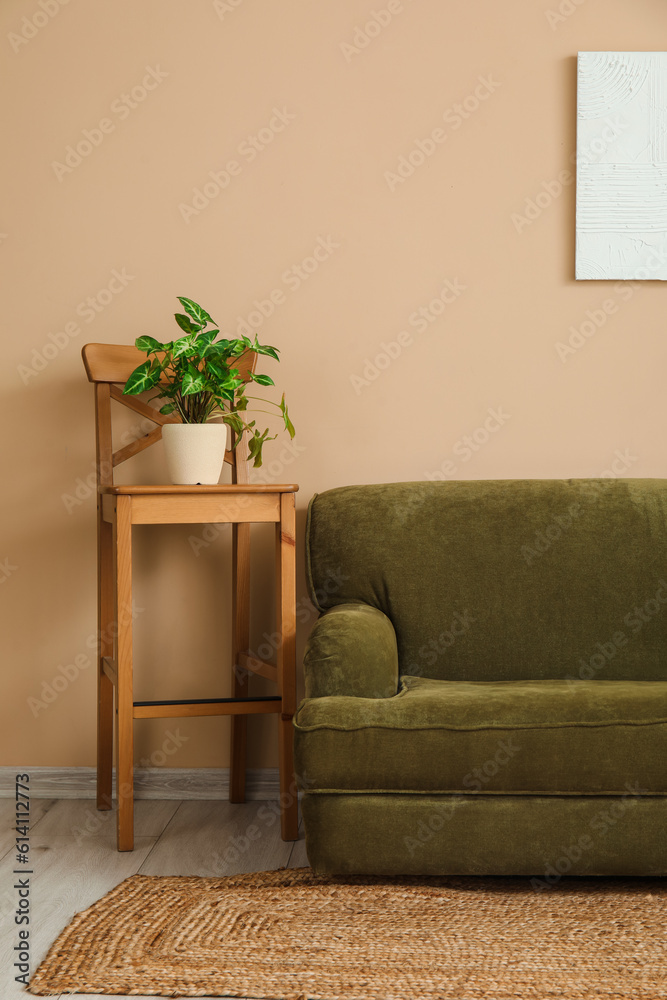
[(352, 651), (528, 623), (457, 569), (538, 836), (507, 736)]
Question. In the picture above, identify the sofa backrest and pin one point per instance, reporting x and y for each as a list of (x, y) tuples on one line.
[(503, 580)]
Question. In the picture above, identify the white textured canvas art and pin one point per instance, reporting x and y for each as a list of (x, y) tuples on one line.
[(622, 165)]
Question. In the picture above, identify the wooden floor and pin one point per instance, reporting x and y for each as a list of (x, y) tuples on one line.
[(74, 859)]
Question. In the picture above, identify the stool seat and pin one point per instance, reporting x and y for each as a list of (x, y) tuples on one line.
[(200, 490)]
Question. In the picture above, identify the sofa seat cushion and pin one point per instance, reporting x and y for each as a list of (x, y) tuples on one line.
[(547, 736)]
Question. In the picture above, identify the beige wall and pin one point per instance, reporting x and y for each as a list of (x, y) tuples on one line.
[(348, 107)]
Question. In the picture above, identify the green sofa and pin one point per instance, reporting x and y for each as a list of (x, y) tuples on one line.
[(486, 685)]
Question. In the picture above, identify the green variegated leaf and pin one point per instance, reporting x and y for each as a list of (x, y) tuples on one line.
[(192, 381), (185, 324), (163, 361), (204, 341), (141, 379), (255, 445), (168, 391), (148, 344), (255, 449), (205, 372), (183, 346), (217, 369), (288, 423), (193, 309), (262, 379), (272, 352), (235, 423), (221, 347)]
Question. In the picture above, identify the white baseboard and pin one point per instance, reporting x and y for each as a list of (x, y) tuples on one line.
[(149, 782)]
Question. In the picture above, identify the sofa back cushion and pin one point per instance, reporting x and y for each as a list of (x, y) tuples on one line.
[(503, 580)]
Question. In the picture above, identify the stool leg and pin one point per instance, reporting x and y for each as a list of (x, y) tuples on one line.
[(289, 799), (286, 624), (240, 644), (124, 695), (105, 707)]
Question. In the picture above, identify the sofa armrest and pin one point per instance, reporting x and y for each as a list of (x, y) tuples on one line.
[(352, 651)]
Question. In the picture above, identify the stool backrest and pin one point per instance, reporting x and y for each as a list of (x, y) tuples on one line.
[(108, 367)]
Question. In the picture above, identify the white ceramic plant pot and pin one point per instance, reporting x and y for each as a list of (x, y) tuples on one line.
[(195, 452)]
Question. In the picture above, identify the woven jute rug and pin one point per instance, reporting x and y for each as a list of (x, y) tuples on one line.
[(290, 934)]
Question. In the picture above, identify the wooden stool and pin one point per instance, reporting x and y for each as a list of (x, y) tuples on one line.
[(118, 509)]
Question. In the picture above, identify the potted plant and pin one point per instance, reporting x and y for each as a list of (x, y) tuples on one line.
[(198, 376)]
